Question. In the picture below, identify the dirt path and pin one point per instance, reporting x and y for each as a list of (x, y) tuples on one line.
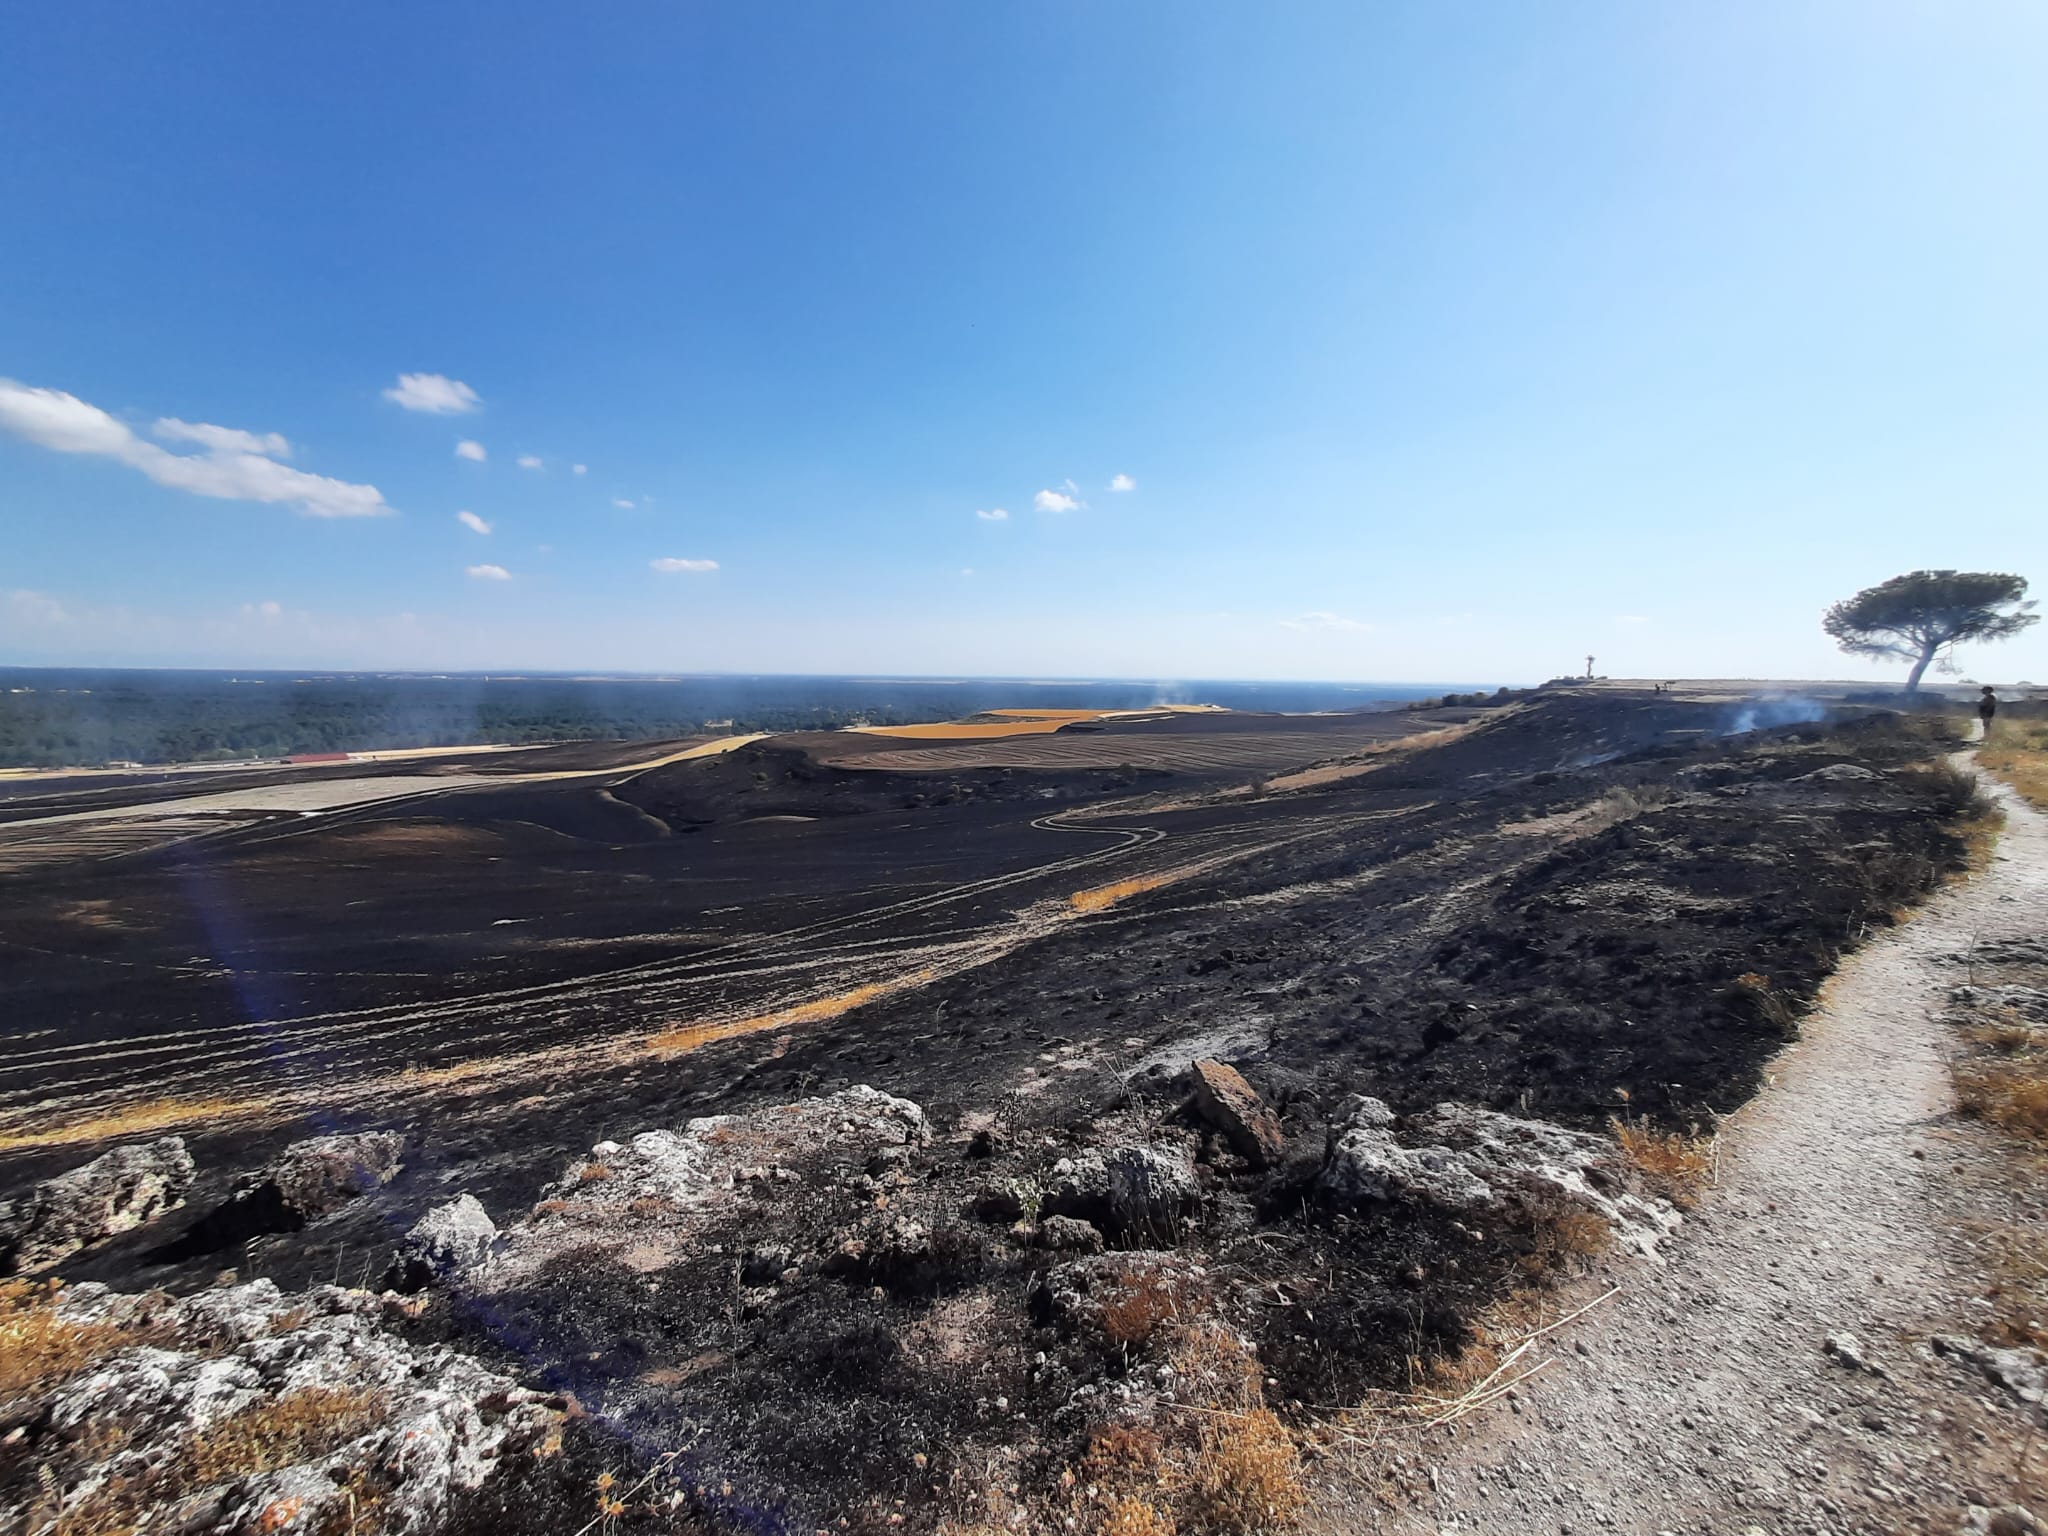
[(1703, 1397)]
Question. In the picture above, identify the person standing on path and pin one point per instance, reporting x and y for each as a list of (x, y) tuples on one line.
[(1987, 706)]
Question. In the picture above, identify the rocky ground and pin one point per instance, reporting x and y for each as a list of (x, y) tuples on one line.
[(1109, 1232)]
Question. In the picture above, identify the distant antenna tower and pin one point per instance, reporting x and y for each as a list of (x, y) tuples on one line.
[(1589, 669)]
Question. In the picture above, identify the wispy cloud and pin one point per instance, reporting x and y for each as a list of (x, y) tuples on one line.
[(993, 515), (1320, 622), (622, 503), (270, 445), (235, 466), (1631, 618), (471, 450), (269, 612), (472, 522), (673, 563), (434, 393), (1123, 483), (579, 469), (529, 461), (488, 572)]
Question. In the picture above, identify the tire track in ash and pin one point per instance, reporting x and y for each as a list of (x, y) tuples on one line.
[(729, 986), (314, 1037)]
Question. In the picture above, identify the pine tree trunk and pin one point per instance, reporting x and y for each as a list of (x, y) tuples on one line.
[(1920, 668)]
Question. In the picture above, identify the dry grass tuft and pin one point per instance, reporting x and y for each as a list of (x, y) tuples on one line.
[(1140, 1305), (1134, 1516), (2001, 1029), (1675, 1165), (1565, 1240), (2009, 1092), (1245, 1476), (39, 1349), (298, 1427)]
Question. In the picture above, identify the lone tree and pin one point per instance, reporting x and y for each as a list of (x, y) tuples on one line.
[(1922, 616)]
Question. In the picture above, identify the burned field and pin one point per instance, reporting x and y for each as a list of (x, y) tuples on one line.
[(851, 1140)]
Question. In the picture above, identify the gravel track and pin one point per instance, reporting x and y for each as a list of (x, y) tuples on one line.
[(1703, 1397)]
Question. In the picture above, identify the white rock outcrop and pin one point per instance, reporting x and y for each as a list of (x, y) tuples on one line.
[(431, 1421), (1462, 1158)]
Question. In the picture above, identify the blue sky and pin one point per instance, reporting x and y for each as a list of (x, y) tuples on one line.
[(1432, 341)]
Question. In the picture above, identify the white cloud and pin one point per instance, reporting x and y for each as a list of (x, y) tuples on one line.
[(434, 393), (1057, 501), (474, 451), (222, 439), (529, 461), (1123, 483), (1631, 618), (227, 469), (472, 522), (993, 515), (488, 572), (622, 504), (579, 469), (966, 570), (1319, 622), (270, 612), (672, 563)]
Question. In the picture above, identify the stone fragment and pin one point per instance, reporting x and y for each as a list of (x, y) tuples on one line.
[(1225, 1100), (2023, 1373)]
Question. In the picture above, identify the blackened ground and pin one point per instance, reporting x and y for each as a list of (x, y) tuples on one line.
[(1585, 898)]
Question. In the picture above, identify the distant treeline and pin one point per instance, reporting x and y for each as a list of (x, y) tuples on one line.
[(219, 722), (53, 717)]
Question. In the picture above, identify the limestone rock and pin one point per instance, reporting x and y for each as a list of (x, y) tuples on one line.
[(112, 1194), (445, 1241), (650, 1201), (2021, 1372), (1131, 1192), (1225, 1100), (1461, 1158), (2008, 1520), (428, 1421)]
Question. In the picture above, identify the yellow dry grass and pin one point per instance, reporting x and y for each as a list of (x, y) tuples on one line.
[(39, 1349), (1101, 898), (136, 1120), (952, 730), (1048, 714), (1674, 1165), (2010, 1092), (682, 1038), (299, 1426), (2017, 752)]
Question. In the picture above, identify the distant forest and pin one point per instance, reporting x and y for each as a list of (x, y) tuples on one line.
[(70, 717)]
